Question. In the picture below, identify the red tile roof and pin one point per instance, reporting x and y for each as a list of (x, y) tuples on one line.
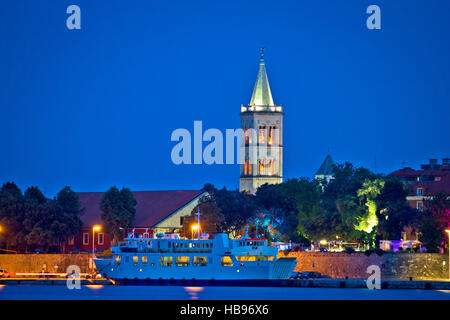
[(426, 180), (152, 206)]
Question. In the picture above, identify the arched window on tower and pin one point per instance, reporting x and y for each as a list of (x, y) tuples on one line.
[(245, 167), (262, 167), (272, 167), (272, 135), (246, 133), (262, 136)]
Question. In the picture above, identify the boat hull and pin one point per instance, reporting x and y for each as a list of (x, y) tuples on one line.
[(249, 271)]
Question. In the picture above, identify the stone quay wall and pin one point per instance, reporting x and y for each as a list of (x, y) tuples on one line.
[(53, 263), (394, 266)]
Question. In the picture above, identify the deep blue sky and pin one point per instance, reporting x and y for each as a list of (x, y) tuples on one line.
[(96, 107)]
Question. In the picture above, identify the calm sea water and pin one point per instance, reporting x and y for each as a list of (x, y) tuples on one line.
[(43, 292)]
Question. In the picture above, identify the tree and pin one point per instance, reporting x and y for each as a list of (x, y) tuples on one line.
[(12, 205), (342, 206), (118, 209), (288, 208), (210, 218), (70, 210), (434, 220), (395, 214), (51, 223)]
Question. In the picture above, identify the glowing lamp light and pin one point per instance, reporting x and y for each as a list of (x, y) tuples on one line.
[(195, 227), (96, 228), (323, 241)]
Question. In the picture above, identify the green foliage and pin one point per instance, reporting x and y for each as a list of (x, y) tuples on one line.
[(211, 217), (31, 220), (433, 221), (357, 205), (222, 211), (118, 211), (289, 208)]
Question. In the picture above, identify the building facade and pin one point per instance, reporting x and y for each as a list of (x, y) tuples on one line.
[(262, 123), (422, 184)]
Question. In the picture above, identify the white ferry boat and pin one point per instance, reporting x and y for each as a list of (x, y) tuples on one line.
[(220, 258)]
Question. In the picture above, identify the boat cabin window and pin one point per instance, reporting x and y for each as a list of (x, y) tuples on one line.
[(200, 261), (117, 260), (227, 262), (166, 261), (182, 261), (144, 260), (254, 258), (135, 260)]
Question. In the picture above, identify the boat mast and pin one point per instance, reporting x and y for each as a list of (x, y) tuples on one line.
[(198, 223)]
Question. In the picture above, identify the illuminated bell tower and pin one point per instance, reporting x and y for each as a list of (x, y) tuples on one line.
[(262, 122)]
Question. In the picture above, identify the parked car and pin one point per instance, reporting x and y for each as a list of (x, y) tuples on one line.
[(4, 274), (313, 275), (295, 276)]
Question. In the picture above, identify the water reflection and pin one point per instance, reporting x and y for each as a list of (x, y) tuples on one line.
[(193, 292), (94, 286)]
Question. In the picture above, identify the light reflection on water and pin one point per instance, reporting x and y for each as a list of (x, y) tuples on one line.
[(94, 286), (193, 292)]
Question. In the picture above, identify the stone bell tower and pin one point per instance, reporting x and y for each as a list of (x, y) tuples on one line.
[(262, 122)]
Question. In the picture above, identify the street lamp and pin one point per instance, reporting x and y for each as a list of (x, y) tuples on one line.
[(448, 247), (194, 228), (94, 228)]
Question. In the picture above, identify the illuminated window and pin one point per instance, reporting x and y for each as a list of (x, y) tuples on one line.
[(144, 260), (166, 261), (262, 166), (227, 262), (101, 238), (182, 261), (245, 167), (85, 238), (71, 241), (250, 169), (135, 260), (200, 261), (420, 205), (272, 137), (262, 134), (117, 260), (246, 133)]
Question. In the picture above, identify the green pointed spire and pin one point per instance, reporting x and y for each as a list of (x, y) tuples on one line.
[(261, 92)]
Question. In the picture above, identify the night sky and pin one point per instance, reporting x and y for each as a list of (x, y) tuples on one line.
[(95, 107)]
